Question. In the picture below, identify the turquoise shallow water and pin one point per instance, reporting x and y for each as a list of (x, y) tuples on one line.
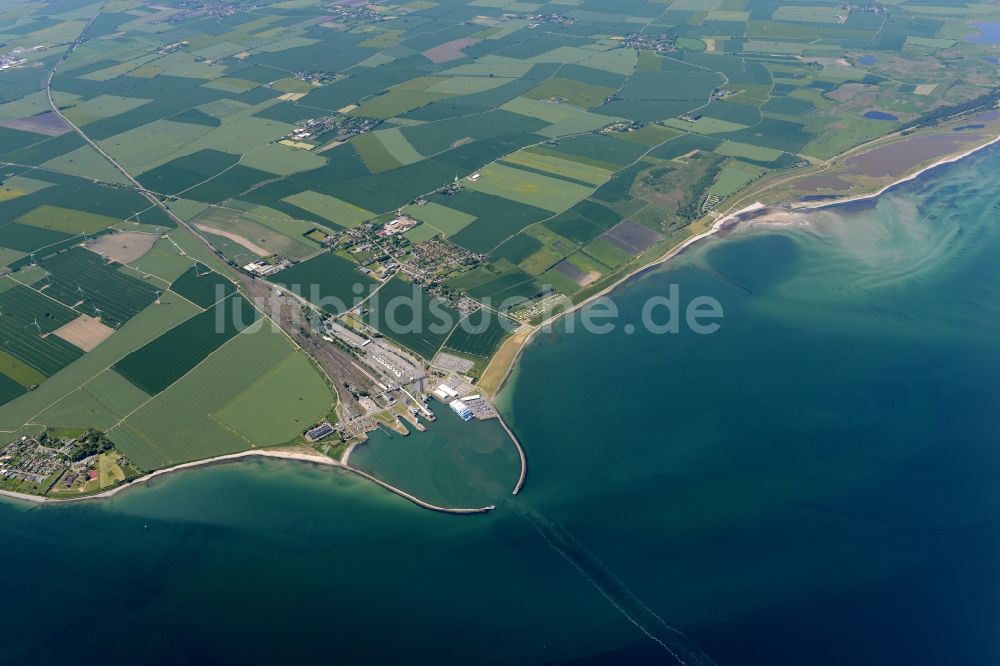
[(816, 483)]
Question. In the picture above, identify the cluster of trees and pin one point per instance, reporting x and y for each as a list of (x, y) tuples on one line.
[(89, 444), (689, 209), (945, 112)]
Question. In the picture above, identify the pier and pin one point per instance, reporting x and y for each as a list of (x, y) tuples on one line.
[(520, 454), (416, 500)]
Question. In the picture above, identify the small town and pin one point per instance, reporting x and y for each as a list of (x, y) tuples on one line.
[(660, 43), (53, 463), (340, 127), (12, 60), (356, 14)]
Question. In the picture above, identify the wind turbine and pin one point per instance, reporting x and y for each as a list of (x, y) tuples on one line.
[(98, 311), (79, 289), (37, 325), (33, 259)]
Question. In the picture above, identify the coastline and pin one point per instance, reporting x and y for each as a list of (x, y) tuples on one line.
[(947, 159), (262, 453), (716, 227), (723, 222), (146, 478)]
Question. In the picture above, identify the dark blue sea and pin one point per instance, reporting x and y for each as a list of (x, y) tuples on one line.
[(815, 484)]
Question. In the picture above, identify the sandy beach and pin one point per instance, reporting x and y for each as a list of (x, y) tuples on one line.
[(314, 459), (143, 480)]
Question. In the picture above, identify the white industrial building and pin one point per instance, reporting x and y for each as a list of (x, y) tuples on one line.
[(445, 392), (461, 409)]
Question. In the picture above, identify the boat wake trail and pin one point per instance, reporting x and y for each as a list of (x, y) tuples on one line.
[(675, 643)]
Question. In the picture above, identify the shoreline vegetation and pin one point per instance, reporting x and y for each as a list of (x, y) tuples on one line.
[(499, 371), (500, 368)]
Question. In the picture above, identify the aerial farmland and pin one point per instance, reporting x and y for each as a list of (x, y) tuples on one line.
[(187, 187)]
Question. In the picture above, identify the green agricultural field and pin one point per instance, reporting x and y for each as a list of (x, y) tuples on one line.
[(138, 331), (734, 149), (705, 125), (327, 281), (258, 232), (620, 61), (338, 212), (281, 160), (144, 148), (480, 334), (734, 175), (198, 417), (194, 105), (100, 403), (533, 189), (563, 118), (185, 172), (26, 238), (396, 102), (466, 85), (86, 163), (163, 260), (493, 65), (102, 106), (443, 220), (375, 155), (202, 286), (29, 342), (72, 222), (580, 94), (584, 221), (398, 147), (606, 253), (293, 388), (557, 166), (405, 314), (498, 284), (421, 233), (19, 371), (497, 219), (649, 135), (196, 251), (601, 150), (227, 184), (163, 361), (517, 248), (557, 280), (9, 389), (85, 281), (586, 263)]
